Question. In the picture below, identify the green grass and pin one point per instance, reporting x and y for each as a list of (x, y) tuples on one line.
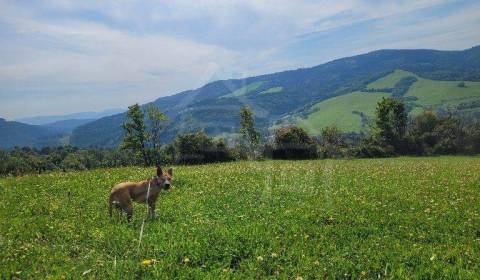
[(390, 80), (397, 218), (244, 90), (443, 93), (339, 111), (271, 90), (430, 94)]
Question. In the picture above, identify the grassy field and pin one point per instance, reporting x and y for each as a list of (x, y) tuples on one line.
[(390, 80), (271, 90), (244, 90), (430, 94), (382, 218), (340, 111)]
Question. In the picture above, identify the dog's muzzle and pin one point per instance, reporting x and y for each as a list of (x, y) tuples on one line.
[(167, 186)]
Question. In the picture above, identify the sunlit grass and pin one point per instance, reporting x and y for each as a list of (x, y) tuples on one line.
[(387, 218)]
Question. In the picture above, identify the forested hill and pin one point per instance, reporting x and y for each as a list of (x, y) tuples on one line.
[(14, 134), (214, 107)]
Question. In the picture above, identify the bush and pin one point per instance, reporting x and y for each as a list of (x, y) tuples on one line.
[(472, 137), (293, 143), (332, 144), (196, 148)]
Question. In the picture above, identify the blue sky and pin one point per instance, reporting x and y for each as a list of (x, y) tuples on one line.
[(61, 56)]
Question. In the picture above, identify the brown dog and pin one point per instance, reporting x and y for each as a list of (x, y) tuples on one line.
[(123, 194)]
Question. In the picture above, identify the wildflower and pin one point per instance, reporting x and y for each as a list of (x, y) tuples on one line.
[(148, 262), (274, 255), (259, 258), (186, 260), (363, 273), (299, 278), (316, 263), (433, 257)]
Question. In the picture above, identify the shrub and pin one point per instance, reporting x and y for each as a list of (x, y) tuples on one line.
[(293, 143), (332, 144), (195, 148)]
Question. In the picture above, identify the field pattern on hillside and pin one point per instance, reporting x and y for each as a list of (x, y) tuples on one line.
[(424, 94), (382, 218)]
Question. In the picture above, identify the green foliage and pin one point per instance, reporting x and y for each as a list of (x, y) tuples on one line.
[(198, 147), (332, 143), (26, 160), (390, 122), (156, 124), (431, 134), (293, 143), (136, 135), (250, 136), (472, 137), (403, 218), (402, 86)]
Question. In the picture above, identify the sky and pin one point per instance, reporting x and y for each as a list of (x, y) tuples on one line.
[(61, 56)]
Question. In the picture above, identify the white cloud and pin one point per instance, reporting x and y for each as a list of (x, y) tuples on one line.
[(135, 51)]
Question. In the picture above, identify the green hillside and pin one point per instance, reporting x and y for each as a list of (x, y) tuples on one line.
[(244, 90), (424, 94), (271, 90), (402, 218), (343, 112), (443, 93), (290, 94), (390, 80)]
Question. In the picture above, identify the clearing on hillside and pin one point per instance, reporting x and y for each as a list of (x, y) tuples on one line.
[(352, 111)]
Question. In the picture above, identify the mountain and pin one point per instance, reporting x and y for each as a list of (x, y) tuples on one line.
[(42, 120), (289, 96), (66, 126), (26, 135)]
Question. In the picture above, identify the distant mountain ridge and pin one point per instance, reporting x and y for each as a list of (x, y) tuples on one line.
[(273, 97), (66, 126), (16, 134), (44, 131), (42, 120)]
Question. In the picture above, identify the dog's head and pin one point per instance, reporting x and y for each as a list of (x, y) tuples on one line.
[(164, 180)]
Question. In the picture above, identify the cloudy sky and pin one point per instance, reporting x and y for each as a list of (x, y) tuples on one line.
[(63, 56)]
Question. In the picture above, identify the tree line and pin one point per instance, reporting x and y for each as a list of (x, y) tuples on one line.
[(392, 134)]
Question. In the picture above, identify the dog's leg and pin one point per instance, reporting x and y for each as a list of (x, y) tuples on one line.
[(110, 202), (151, 210), (129, 210), (151, 205)]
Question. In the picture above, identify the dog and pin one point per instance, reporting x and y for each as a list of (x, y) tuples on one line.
[(123, 194)]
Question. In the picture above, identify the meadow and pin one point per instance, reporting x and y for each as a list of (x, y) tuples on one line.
[(427, 94), (399, 218)]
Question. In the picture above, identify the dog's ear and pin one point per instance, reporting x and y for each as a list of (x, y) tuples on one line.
[(170, 171), (159, 171)]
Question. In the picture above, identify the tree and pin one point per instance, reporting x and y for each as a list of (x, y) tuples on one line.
[(472, 137), (136, 135), (194, 148), (390, 122), (156, 121), (333, 142), (250, 136), (293, 143)]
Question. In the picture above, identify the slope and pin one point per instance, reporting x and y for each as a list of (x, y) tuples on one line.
[(214, 107)]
